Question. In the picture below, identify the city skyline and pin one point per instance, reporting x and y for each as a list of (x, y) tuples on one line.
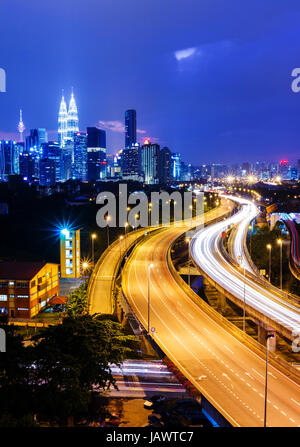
[(208, 86)]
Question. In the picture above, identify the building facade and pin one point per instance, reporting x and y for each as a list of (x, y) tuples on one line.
[(96, 154), (130, 128), (150, 162), (27, 287)]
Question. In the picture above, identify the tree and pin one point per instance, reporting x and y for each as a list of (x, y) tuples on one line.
[(77, 303), (73, 359), (15, 393)]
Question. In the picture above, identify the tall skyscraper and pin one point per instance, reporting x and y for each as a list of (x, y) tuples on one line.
[(52, 151), (176, 165), (9, 158), (131, 162), (62, 122), (150, 162), (72, 120), (165, 164), (21, 126), (47, 172), (80, 156), (96, 153), (130, 128)]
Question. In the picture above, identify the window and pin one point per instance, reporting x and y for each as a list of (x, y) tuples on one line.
[(40, 280), (33, 283), (23, 296), (22, 308), (22, 284), (11, 283), (3, 297), (4, 284)]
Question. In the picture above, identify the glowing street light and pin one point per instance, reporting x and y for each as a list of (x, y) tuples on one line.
[(188, 240), (65, 232), (108, 218), (93, 237), (149, 270), (269, 247), (279, 242)]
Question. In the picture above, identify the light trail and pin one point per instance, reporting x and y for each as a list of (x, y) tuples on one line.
[(206, 253)]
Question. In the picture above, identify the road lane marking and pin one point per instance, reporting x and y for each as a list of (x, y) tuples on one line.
[(228, 349)]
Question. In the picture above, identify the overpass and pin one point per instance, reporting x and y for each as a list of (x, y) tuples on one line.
[(222, 362)]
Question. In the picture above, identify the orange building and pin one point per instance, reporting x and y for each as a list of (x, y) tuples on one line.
[(27, 287)]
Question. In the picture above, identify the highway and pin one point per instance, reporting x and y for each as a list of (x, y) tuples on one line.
[(226, 371), (293, 229), (207, 255), (103, 278)]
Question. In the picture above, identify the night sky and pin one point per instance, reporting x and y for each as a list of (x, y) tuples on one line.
[(209, 78)]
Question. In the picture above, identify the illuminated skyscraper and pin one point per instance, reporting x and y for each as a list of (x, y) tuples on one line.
[(130, 128), (62, 122), (150, 162), (72, 120)]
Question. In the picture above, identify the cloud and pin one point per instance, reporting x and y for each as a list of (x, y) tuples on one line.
[(117, 126), (184, 54)]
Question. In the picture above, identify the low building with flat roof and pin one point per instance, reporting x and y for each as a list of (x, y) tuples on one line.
[(27, 287)]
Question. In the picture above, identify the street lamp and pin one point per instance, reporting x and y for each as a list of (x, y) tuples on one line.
[(188, 241), (149, 214), (120, 246), (149, 269), (250, 228), (266, 381), (125, 226), (269, 247), (279, 241), (93, 237), (108, 218)]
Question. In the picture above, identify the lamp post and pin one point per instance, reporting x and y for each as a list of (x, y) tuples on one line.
[(244, 307), (269, 247), (250, 228), (279, 241), (149, 270), (149, 214), (125, 226), (108, 218), (93, 237), (266, 380), (188, 241), (120, 246)]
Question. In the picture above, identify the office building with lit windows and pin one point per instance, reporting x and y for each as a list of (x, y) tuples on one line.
[(69, 253), (27, 287), (130, 128), (150, 162), (96, 154)]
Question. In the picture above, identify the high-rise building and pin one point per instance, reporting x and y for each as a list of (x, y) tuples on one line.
[(9, 158), (62, 122), (80, 156), (52, 151), (27, 166), (150, 162), (96, 153), (69, 253), (131, 162), (130, 128), (42, 136), (176, 166), (72, 121), (165, 166), (47, 172)]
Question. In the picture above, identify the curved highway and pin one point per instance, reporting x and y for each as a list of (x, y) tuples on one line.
[(206, 253), (228, 373)]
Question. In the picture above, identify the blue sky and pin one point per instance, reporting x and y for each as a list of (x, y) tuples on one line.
[(209, 78)]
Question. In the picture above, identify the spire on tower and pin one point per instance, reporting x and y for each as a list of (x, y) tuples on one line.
[(21, 126), (62, 121), (72, 117)]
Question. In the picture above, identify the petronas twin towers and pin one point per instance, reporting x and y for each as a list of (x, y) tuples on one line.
[(67, 121)]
